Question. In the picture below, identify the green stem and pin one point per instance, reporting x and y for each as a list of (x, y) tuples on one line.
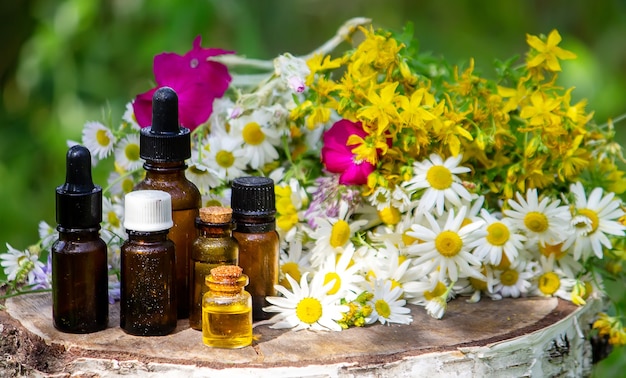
[(18, 293)]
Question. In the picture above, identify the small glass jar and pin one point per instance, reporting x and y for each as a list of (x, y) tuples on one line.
[(227, 309), (214, 246)]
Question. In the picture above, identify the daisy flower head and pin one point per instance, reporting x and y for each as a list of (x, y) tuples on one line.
[(129, 117), (477, 287), (306, 306), (333, 233), (448, 248), (544, 221), (437, 306), (20, 266), (595, 218), (259, 137), (341, 270), (501, 238), (225, 156), (293, 263), (515, 281), (441, 182), (552, 282), (98, 139), (47, 234), (127, 153), (387, 307)]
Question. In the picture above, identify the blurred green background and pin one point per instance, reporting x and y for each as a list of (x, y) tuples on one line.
[(66, 62)]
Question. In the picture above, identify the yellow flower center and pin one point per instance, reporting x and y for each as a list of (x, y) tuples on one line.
[(252, 134), (439, 177), (113, 219), (330, 276), (536, 221), (389, 215), (477, 284), (340, 233), (382, 308), (225, 159), (497, 233), (102, 138), (448, 243), (128, 185), (438, 291), (309, 310), (593, 217), (554, 249), (509, 277), (504, 263), (292, 269), (132, 152), (408, 239), (395, 284), (549, 283)]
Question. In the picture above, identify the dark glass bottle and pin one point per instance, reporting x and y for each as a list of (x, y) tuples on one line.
[(165, 146), (254, 210), (214, 246), (148, 276), (80, 302), (227, 309)]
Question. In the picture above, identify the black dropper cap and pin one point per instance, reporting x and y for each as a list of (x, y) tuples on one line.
[(78, 201), (165, 141), (253, 197)]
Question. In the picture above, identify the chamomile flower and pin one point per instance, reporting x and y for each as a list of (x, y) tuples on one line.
[(515, 281), (441, 182), (477, 287), (307, 306), (447, 248), (387, 307), (333, 233), (129, 117), (437, 306), (20, 266), (293, 263), (47, 234), (127, 153), (595, 218), (501, 238), (389, 264), (342, 271), (259, 139), (98, 139), (544, 221), (552, 282), (225, 157)]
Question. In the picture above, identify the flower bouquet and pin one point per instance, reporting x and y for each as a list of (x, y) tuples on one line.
[(400, 178)]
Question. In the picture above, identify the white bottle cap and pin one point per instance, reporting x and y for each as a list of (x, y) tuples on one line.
[(147, 211)]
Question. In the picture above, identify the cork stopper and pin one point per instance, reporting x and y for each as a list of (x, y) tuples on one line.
[(216, 214), (226, 272)]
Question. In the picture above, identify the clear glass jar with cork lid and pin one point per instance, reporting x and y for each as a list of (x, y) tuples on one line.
[(214, 246), (227, 309)]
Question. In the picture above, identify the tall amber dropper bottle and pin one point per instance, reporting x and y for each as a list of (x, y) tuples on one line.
[(80, 302), (254, 210), (165, 146)]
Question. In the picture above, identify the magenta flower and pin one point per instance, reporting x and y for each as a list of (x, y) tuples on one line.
[(337, 157), (196, 80)]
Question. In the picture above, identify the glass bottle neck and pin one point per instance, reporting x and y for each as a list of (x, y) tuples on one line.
[(79, 233), (161, 168), (214, 229), (150, 237)]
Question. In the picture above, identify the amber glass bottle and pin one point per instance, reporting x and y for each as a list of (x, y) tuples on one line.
[(227, 309), (213, 246), (254, 210), (80, 302), (148, 274), (165, 146)]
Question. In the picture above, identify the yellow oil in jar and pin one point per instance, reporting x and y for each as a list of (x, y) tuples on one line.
[(227, 326)]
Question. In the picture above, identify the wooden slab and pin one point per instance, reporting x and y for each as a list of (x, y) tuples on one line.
[(511, 337)]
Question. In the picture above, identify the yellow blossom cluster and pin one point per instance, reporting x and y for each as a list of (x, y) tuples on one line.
[(517, 132)]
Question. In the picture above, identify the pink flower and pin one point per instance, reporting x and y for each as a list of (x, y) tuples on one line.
[(337, 157), (196, 80)]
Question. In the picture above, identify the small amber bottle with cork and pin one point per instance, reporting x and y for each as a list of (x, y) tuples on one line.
[(254, 210), (148, 274), (227, 309), (165, 146), (214, 246), (80, 302)]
